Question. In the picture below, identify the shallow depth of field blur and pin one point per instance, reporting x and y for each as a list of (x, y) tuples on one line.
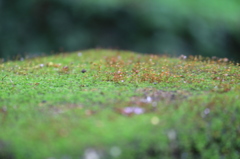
[(207, 28), (104, 104)]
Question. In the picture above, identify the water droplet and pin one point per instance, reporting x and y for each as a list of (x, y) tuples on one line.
[(115, 151), (149, 99), (172, 134), (182, 57), (155, 120), (91, 154), (135, 110), (79, 54), (206, 111)]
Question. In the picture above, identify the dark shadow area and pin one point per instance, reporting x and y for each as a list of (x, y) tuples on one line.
[(5, 152), (188, 27)]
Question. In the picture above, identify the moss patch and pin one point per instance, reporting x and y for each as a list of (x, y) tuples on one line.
[(116, 104)]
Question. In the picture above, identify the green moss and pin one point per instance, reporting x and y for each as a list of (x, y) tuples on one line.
[(123, 105)]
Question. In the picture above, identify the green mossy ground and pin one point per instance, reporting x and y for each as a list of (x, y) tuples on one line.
[(104, 104)]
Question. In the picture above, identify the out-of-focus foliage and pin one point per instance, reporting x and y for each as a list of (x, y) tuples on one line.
[(209, 28)]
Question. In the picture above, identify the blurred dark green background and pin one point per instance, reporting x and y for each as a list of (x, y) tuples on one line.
[(33, 27)]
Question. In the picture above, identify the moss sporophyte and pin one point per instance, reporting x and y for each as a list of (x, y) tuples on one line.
[(119, 104)]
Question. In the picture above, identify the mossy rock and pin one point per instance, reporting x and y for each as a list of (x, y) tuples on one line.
[(102, 104)]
